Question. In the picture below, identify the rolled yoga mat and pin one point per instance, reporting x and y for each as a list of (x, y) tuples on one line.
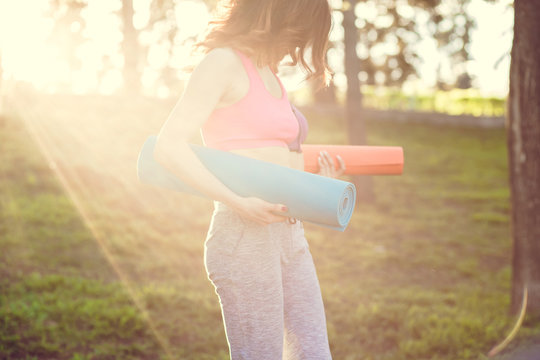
[(359, 160), (317, 199)]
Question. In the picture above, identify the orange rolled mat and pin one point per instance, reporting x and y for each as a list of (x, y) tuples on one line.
[(359, 160)]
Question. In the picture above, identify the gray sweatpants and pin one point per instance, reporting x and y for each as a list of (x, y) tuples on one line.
[(268, 289)]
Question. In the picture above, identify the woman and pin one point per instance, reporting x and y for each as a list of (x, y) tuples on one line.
[(257, 258)]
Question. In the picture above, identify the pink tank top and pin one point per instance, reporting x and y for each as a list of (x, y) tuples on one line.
[(257, 120)]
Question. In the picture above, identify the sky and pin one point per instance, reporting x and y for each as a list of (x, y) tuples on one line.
[(26, 56), (492, 42)]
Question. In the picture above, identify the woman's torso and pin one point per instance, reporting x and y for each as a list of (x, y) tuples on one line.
[(274, 154), (273, 98)]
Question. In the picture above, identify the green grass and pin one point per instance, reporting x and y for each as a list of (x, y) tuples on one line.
[(59, 298), (422, 273), (454, 102)]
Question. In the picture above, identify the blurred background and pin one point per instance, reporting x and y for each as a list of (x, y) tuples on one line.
[(409, 48), (96, 265)]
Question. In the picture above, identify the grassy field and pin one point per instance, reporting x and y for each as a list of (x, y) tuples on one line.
[(453, 102), (94, 265)]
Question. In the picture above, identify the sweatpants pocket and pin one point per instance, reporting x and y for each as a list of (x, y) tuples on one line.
[(299, 242), (224, 235)]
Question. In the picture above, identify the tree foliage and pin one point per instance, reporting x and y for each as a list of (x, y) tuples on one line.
[(68, 28), (389, 32), (162, 29)]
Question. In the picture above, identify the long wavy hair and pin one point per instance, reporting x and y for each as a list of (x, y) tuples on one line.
[(268, 30)]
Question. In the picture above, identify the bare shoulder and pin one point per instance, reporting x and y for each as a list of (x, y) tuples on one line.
[(219, 77), (220, 62), (224, 55)]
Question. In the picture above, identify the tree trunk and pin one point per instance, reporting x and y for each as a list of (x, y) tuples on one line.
[(353, 112), (130, 49), (1, 89), (523, 137)]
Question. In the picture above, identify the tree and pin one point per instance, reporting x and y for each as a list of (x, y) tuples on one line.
[(353, 106), (379, 49), (130, 50), (69, 27), (523, 139), (1, 83), (162, 22), (388, 31), (67, 30)]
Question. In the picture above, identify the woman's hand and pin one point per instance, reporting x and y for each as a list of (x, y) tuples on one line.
[(326, 165), (260, 211)]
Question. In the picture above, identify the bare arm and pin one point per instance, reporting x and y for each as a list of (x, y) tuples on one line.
[(206, 87)]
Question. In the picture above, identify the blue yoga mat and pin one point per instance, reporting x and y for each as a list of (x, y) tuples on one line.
[(309, 197)]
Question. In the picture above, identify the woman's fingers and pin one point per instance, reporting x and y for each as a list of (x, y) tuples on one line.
[(329, 160), (341, 169), (262, 211), (273, 213), (322, 166), (327, 166)]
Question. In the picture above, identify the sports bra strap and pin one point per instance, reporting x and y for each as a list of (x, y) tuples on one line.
[(256, 79), (252, 73)]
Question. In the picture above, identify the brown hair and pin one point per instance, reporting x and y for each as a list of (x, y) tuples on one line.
[(267, 30)]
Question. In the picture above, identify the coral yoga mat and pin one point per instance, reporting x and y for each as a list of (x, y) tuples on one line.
[(359, 160), (309, 197)]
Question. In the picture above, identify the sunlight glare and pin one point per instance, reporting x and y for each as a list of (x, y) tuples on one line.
[(26, 56), (192, 18), (142, 13)]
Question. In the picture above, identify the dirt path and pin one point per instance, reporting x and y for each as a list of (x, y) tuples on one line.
[(528, 351)]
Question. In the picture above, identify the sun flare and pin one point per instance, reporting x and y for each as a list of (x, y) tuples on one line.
[(32, 51)]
